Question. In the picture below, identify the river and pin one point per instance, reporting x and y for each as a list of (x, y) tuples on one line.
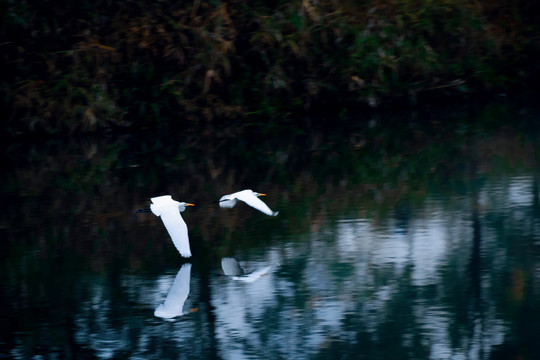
[(399, 236)]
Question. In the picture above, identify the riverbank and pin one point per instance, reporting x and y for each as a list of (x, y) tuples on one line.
[(88, 67)]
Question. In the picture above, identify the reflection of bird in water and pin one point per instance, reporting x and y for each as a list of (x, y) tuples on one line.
[(249, 197), (254, 275), (177, 295), (231, 268), (170, 210)]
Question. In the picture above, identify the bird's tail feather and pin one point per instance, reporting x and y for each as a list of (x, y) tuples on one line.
[(144, 210)]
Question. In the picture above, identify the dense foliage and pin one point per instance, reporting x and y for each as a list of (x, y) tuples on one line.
[(85, 65)]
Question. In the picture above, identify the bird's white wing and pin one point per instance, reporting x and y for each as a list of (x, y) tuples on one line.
[(227, 201), (177, 228), (177, 295), (252, 200)]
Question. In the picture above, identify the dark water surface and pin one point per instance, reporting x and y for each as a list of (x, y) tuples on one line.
[(411, 236)]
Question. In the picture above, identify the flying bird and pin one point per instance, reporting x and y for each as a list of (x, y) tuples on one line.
[(249, 197), (170, 210)]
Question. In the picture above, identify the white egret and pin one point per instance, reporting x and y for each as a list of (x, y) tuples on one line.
[(170, 210), (177, 295), (249, 197)]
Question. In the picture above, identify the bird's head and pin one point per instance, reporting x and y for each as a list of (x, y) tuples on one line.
[(182, 205)]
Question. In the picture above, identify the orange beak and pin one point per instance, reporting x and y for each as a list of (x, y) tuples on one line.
[(188, 204), (259, 194)]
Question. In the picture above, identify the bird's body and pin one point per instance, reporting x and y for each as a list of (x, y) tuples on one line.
[(169, 210), (249, 197)]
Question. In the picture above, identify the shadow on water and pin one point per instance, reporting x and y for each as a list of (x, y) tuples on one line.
[(398, 237)]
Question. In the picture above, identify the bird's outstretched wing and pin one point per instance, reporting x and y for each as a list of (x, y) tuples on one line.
[(227, 201), (168, 209), (177, 228), (252, 200)]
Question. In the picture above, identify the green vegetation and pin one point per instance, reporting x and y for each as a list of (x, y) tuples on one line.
[(86, 65)]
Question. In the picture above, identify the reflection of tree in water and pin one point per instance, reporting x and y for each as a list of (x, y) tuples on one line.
[(389, 311), (75, 203)]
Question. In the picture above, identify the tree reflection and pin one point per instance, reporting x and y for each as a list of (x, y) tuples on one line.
[(392, 249)]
